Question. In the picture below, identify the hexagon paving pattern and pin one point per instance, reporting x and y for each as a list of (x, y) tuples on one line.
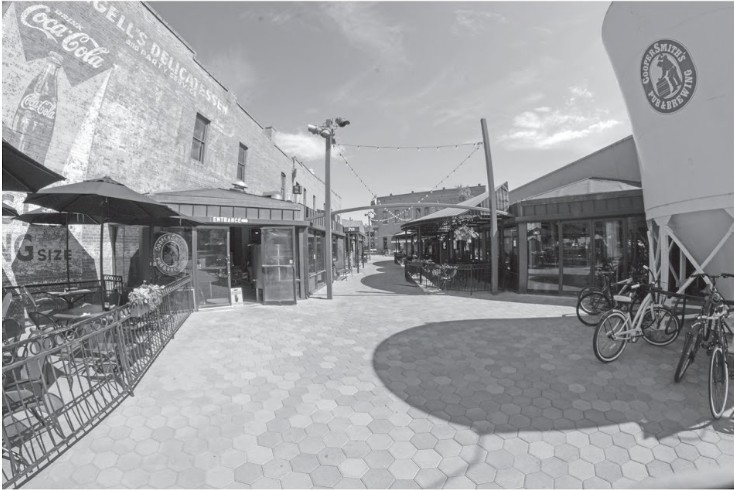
[(388, 385)]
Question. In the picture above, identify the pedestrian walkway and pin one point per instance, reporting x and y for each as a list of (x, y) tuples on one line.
[(389, 385)]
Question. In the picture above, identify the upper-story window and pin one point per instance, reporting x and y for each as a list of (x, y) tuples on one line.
[(282, 184), (417, 212), (198, 145), (305, 197), (314, 203), (242, 162)]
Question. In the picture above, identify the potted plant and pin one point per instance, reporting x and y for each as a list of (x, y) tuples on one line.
[(145, 298)]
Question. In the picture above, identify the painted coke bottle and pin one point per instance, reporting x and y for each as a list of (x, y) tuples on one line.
[(35, 117)]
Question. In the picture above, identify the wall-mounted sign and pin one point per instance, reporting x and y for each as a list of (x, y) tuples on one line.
[(668, 76), (170, 254), (226, 219)]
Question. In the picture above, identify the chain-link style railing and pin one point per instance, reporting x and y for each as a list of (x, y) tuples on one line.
[(60, 382)]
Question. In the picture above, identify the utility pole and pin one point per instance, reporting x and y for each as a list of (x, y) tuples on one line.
[(494, 238)]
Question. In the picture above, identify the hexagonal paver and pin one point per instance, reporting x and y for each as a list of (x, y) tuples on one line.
[(218, 477), (430, 478), (403, 469), (331, 456), (541, 449), (634, 471), (481, 473), (276, 468), (448, 448), (326, 476), (378, 478), (353, 468), (510, 478), (427, 458), (500, 459), (296, 480), (248, 473), (403, 450)]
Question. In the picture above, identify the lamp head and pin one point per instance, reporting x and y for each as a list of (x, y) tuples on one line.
[(341, 122), (313, 129)]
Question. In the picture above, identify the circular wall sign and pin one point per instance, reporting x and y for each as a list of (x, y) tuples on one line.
[(170, 254), (668, 76)]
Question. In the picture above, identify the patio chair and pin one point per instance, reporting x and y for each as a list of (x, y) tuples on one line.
[(12, 330)]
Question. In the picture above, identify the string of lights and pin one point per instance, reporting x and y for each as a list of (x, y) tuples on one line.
[(476, 148), (357, 175), (418, 148)]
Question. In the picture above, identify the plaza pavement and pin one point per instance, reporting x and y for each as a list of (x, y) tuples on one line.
[(389, 385)]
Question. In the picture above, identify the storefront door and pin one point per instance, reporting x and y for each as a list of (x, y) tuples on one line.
[(576, 256), (279, 265), (212, 267)]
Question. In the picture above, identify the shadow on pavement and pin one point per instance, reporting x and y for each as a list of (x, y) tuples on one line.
[(391, 278), (499, 376)]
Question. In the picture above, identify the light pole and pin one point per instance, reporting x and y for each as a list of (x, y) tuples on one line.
[(370, 235), (326, 131)]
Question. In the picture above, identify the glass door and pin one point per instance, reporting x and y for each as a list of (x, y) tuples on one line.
[(576, 256), (212, 267), (278, 265)]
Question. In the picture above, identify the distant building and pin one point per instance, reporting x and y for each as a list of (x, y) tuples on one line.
[(387, 221)]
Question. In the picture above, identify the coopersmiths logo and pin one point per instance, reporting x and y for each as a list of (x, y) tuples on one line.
[(668, 76)]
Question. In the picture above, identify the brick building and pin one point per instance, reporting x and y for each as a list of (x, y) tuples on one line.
[(387, 221), (108, 88)]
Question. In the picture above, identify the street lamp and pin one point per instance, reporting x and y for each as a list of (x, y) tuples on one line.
[(326, 131)]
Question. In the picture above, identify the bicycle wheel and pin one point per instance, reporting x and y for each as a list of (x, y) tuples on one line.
[(607, 347), (690, 347), (590, 306), (661, 327), (718, 382)]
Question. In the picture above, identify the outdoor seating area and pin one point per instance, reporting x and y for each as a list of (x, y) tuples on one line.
[(70, 355)]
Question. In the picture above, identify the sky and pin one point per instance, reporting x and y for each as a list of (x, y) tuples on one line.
[(416, 74)]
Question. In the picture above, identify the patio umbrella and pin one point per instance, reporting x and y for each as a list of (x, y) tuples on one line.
[(42, 217), (23, 174), (104, 198), (8, 211)]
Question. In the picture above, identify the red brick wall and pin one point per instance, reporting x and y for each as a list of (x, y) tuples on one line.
[(127, 93)]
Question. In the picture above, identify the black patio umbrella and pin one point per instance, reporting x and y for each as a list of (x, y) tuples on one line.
[(23, 174), (42, 217), (106, 200), (8, 211)]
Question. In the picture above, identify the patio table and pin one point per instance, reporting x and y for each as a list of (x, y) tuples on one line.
[(79, 313), (71, 296)]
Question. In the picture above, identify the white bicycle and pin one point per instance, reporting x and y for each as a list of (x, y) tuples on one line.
[(654, 322)]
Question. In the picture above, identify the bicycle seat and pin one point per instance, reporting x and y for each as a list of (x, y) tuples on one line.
[(620, 298)]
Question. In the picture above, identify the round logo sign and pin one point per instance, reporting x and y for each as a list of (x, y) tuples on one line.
[(170, 254), (668, 76)]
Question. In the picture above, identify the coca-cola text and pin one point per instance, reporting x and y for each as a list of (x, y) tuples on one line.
[(33, 102), (80, 44)]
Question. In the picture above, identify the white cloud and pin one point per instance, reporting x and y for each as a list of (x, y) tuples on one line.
[(546, 127), (363, 27), (304, 146), (474, 22)]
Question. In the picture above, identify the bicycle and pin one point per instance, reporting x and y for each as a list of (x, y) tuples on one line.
[(593, 301), (654, 322), (700, 332)]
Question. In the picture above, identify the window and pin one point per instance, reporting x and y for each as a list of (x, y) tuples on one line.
[(282, 185), (314, 203), (417, 212), (305, 197), (200, 130), (241, 162)]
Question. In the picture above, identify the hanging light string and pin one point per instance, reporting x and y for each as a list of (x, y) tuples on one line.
[(419, 148), (357, 175), (476, 147)]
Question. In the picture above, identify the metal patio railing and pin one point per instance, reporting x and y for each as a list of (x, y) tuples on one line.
[(59, 383), (450, 277)]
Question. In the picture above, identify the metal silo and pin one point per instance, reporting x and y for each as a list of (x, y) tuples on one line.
[(675, 66)]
